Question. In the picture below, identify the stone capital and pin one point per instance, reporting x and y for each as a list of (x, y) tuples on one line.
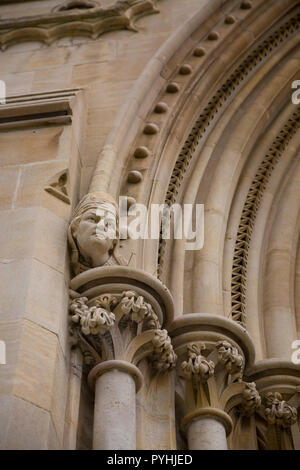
[(117, 317)]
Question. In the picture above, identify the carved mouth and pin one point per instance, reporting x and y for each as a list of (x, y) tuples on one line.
[(100, 237)]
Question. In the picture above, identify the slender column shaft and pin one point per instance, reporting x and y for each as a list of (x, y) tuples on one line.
[(116, 383), (207, 428), (71, 428), (206, 434), (114, 414)]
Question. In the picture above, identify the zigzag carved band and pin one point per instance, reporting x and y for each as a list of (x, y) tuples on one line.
[(254, 196), (214, 106)]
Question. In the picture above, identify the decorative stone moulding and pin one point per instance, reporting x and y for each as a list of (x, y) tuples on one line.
[(185, 69), (199, 52), (151, 129), (134, 177), (58, 186), (249, 212), (172, 87), (213, 108), (161, 108), (68, 20), (213, 36), (275, 375), (246, 5), (141, 152), (38, 109), (97, 281), (231, 343), (230, 19)]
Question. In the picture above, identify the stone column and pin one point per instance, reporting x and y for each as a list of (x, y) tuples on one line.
[(118, 325), (206, 429), (72, 413), (211, 358), (116, 384)]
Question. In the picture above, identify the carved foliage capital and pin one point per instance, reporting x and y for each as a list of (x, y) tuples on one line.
[(163, 357), (278, 411), (197, 368), (138, 310), (105, 329), (251, 400), (229, 356), (91, 320)]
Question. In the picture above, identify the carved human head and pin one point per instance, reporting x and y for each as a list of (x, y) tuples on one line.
[(92, 232)]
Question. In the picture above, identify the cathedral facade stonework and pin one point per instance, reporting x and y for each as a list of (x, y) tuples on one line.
[(127, 343)]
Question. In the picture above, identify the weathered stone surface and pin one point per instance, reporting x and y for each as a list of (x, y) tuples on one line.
[(191, 105), (30, 146)]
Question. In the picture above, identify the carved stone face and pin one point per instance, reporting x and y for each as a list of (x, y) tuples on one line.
[(95, 235)]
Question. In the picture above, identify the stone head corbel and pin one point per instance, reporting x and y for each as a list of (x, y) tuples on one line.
[(92, 233)]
